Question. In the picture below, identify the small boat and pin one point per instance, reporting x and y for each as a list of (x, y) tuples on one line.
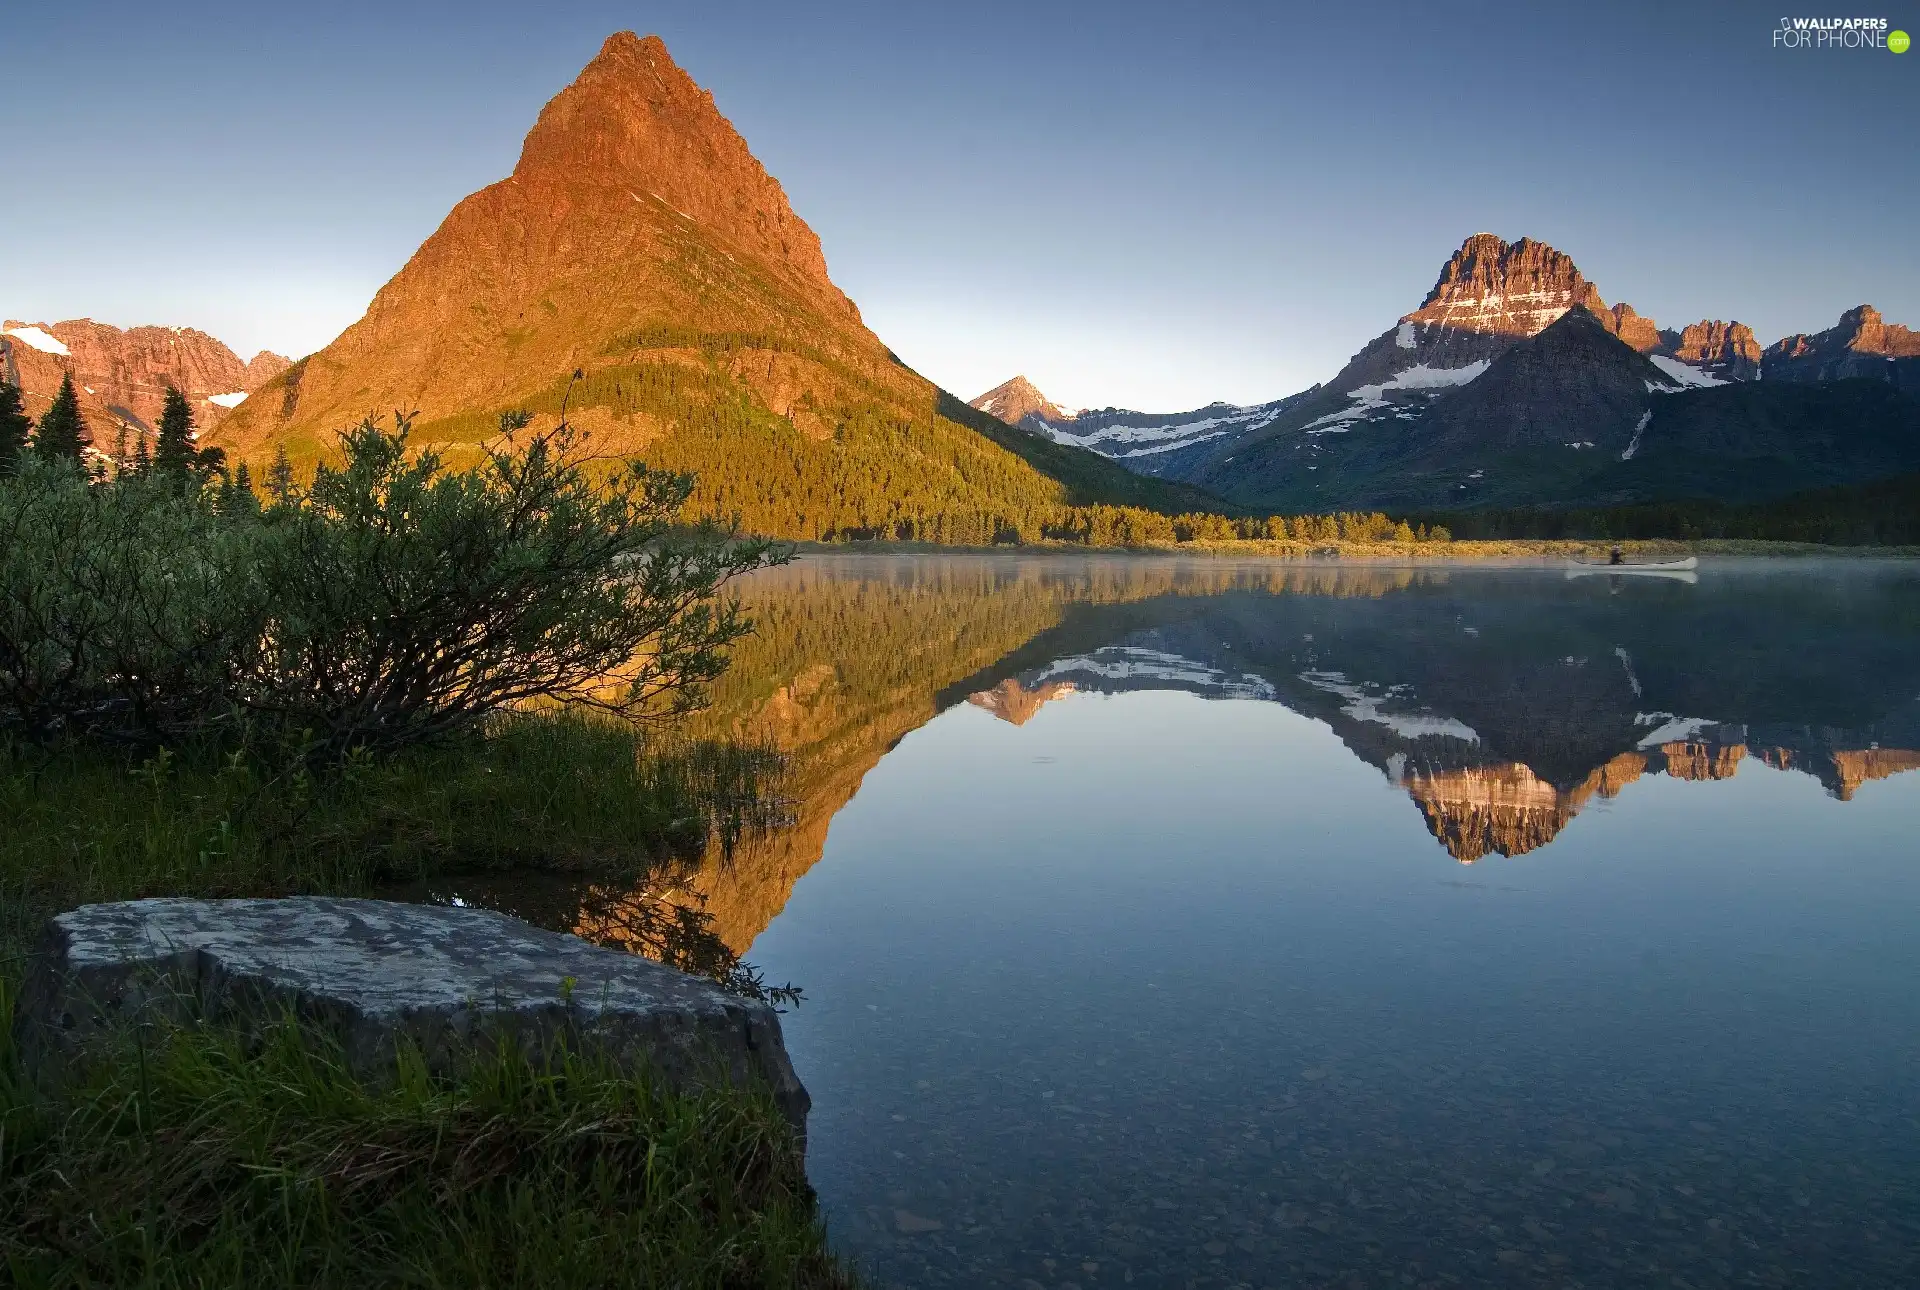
[(1678, 570), (1654, 566)]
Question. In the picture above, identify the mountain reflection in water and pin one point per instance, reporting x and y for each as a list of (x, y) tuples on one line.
[(1130, 958), (1502, 702)]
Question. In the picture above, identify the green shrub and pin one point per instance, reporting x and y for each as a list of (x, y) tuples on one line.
[(125, 608), (393, 601)]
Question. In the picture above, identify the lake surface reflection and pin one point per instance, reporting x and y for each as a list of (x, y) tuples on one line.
[(1212, 924)]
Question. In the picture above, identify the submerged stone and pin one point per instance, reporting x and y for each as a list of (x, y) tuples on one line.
[(450, 982)]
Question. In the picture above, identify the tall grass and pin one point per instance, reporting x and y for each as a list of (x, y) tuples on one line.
[(199, 1160)]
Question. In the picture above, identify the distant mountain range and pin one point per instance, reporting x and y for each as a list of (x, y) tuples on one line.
[(1514, 383), (641, 270), (122, 376)]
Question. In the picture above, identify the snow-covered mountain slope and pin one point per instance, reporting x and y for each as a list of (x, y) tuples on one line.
[(1162, 444)]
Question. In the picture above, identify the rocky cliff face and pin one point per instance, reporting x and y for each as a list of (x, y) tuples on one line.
[(1861, 344), (122, 376), (263, 367), (1727, 351), (1641, 333), (1499, 288)]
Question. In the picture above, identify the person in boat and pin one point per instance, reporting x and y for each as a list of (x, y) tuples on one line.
[(1616, 556)]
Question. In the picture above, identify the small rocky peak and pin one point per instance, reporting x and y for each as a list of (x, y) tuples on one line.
[(1728, 349), (1637, 331), (1866, 332), (1015, 400), (263, 367)]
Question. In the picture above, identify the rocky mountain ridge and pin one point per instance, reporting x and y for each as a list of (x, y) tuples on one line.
[(1411, 420), (1726, 351), (1861, 344), (1489, 296), (122, 376)]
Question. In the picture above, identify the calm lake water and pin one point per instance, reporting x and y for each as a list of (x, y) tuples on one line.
[(1213, 924)]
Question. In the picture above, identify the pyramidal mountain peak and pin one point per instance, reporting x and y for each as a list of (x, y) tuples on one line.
[(642, 270), (636, 216), (634, 118)]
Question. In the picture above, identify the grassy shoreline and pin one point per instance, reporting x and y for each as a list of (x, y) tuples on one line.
[(578, 1177)]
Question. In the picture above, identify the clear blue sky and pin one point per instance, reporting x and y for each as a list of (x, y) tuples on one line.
[(1147, 204)]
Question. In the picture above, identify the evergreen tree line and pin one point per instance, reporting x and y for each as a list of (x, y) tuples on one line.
[(875, 474), (1883, 513), (62, 435), (879, 477)]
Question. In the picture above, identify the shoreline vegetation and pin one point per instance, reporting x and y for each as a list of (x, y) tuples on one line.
[(399, 673), (1525, 551)]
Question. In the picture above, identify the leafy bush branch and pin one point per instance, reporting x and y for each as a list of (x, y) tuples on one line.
[(392, 601)]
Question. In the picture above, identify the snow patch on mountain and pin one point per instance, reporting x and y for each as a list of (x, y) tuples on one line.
[(37, 338), (227, 400), (1633, 444), (1686, 373), (1671, 729), (1159, 438), (1371, 398), (1477, 312), (1169, 447)]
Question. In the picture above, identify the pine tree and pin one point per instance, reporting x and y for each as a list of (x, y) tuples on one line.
[(62, 433), (173, 452), (14, 425), (142, 457), (280, 475), (236, 497)]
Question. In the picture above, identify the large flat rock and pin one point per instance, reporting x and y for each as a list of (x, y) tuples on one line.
[(450, 981)]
